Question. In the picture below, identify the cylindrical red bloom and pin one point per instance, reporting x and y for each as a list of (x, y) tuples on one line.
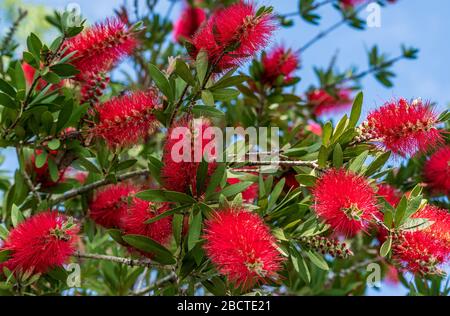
[(280, 62), (403, 127), (425, 250), (140, 211), (100, 48), (232, 35), (187, 142), (389, 193), (188, 23), (437, 171), (242, 247), (345, 201), (125, 120), (250, 194), (41, 243), (325, 103), (110, 204)]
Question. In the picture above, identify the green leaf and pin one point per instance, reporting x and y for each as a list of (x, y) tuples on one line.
[(34, 45), (64, 70), (177, 210), (6, 101), (377, 164), (317, 259), (16, 216), (7, 88), (338, 159), (123, 165), (307, 180), (166, 196), (358, 162), (159, 252), (41, 159), (54, 144), (356, 109), (208, 98), (208, 111), (64, 116), (4, 255), (415, 224), (195, 228), (202, 66), (116, 235), (225, 95), (177, 227), (183, 71), (89, 166), (386, 247), (20, 77), (53, 170), (273, 197), (155, 166), (326, 134), (215, 180), (161, 81), (235, 188)]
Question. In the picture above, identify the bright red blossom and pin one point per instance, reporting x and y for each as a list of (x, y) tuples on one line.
[(345, 201), (389, 193), (325, 103), (110, 204), (242, 247), (425, 250), (125, 120), (437, 171), (41, 243), (186, 143), (189, 22), (232, 35), (100, 47), (403, 127), (140, 211), (279, 62), (250, 194)]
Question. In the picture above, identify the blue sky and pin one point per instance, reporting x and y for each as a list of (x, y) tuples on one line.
[(423, 24)]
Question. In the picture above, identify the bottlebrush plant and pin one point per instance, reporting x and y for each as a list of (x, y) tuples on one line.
[(104, 182)]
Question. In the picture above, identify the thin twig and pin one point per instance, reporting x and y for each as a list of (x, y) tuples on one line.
[(332, 28), (92, 186), (168, 278), (127, 261), (294, 163)]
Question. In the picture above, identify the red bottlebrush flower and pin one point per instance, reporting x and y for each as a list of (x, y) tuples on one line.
[(40, 243), (250, 194), (345, 201), (390, 194), (232, 35), (242, 247), (110, 204), (403, 127), (325, 103), (392, 275), (140, 211), (436, 171), (100, 48), (291, 183), (188, 24), (181, 164), (314, 128), (425, 250), (280, 62), (93, 86), (29, 73), (347, 4), (124, 120), (42, 175), (441, 223)]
